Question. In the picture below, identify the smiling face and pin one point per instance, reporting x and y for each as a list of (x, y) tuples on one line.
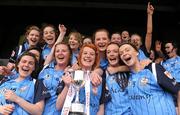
[(170, 50), (112, 54), (62, 54), (101, 40), (128, 54), (49, 35), (26, 65), (73, 42), (88, 58), (33, 37), (136, 40), (116, 38), (125, 36)]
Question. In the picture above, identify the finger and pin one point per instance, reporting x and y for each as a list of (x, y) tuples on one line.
[(6, 112)]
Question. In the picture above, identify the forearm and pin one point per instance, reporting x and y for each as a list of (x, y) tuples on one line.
[(123, 68), (60, 37), (35, 109), (61, 98), (101, 110), (148, 39), (50, 56), (99, 71)]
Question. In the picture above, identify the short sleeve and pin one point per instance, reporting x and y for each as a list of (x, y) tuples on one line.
[(40, 91)]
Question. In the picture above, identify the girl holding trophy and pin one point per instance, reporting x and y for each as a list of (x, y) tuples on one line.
[(88, 96)]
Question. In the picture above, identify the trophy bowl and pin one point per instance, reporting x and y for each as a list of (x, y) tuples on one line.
[(77, 108)]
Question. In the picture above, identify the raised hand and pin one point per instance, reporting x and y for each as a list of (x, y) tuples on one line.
[(150, 9)]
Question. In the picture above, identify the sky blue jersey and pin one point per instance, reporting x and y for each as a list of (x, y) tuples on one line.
[(29, 89), (141, 55), (173, 66), (94, 98), (51, 79), (103, 63), (45, 52), (148, 95), (119, 103)]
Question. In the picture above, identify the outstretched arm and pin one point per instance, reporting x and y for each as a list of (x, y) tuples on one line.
[(148, 39), (50, 57)]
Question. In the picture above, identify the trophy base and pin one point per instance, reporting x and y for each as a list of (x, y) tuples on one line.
[(76, 109)]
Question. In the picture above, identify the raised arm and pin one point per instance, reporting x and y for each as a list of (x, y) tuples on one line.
[(50, 57), (148, 39)]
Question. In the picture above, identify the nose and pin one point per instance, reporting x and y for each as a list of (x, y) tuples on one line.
[(26, 64)]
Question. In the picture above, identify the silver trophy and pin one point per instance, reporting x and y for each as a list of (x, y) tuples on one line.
[(77, 108)]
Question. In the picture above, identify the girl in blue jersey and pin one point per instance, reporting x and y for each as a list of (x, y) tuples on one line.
[(88, 60), (13, 74), (52, 76), (101, 40), (75, 42), (23, 95), (50, 36), (149, 92), (116, 83), (33, 36)]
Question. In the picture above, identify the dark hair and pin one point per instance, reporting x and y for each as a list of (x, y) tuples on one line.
[(120, 61), (49, 25), (174, 44), (100, 30), (33, 74)]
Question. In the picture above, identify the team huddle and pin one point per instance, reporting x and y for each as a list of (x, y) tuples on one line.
[(125, 76)]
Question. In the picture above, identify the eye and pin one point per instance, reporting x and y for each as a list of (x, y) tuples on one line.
[(108, 51), (85, 53), (92, 53), (31, 63)]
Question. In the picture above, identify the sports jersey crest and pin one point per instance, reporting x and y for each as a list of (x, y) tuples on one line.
[(144, 81), (47, 76), (22, 89)]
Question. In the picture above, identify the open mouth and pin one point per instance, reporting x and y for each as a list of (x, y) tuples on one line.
[(33, 40), (60, 58), (25, 69), (168, 53), (112, 59), (87, 60), (127, 59)]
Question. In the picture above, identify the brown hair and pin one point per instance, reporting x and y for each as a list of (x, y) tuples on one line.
[(129, 43), (70, 51), (101, 30), (26, 53)]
